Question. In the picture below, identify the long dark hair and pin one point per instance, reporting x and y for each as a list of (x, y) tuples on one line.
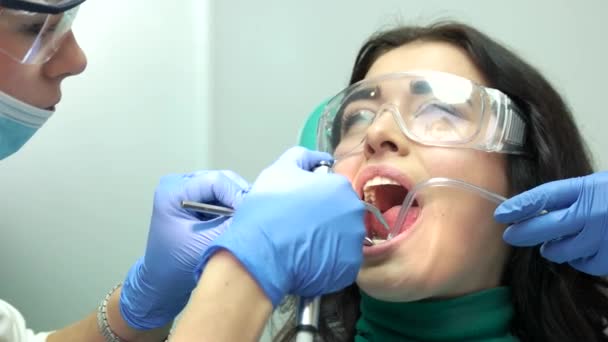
[(552, 302)]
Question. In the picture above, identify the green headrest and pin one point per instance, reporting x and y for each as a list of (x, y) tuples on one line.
[(308, 133)]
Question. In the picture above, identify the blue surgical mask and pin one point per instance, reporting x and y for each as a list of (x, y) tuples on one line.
[(18, 123)]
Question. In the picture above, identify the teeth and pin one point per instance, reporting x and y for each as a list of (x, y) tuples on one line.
[(369, 194), (375, 238), (378, 181)]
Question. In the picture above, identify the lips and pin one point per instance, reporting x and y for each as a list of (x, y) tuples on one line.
[(386, 188)]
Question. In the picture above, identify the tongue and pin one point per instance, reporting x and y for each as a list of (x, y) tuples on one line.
[(375, 228)]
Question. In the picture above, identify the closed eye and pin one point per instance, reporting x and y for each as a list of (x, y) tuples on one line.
[(358, 118), (35, 28), (438, 108)]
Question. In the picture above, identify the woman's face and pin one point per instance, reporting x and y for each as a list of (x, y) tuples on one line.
[(454, 246), (40, 85)]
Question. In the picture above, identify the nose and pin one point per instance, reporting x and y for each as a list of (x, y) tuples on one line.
[(384, 136), (69, 60)]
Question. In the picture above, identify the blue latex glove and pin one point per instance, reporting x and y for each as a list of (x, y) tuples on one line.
[(576, 228), (297, 232), (158, 286)]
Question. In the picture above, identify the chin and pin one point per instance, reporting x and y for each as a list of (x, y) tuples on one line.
[(394, 287)]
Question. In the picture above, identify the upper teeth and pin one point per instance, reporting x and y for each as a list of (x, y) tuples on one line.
[(369, 195), (378, 181)]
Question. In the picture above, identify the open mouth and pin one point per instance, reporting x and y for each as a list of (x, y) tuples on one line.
[(387, 195)]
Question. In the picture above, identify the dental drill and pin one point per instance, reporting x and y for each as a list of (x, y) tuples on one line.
[(307, 314)]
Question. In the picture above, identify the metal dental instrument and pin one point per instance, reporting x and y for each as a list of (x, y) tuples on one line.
[(207, 208), (225, 211), (371, 208)]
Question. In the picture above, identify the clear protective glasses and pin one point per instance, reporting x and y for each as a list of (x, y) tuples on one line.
[(431, 108), (31, 32)]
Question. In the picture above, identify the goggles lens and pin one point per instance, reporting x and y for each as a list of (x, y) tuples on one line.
[(33, 38)]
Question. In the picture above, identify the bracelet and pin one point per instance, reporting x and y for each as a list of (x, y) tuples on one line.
[(102, 319)]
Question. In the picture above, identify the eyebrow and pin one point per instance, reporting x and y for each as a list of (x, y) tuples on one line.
[(418, 87)]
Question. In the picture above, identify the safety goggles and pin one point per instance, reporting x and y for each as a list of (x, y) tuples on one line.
[(429, 107), (32, 31)]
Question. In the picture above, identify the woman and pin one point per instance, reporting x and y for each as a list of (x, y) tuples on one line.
[(37, 52), (451, 277)]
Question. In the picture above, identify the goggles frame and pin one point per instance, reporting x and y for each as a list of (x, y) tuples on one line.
[(35, 7)]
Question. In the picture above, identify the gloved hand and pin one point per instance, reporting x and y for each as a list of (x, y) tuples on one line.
[(297, 232), (158, 286), (575, 229)]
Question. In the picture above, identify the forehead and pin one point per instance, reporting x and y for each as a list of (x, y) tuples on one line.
[(438, 56)]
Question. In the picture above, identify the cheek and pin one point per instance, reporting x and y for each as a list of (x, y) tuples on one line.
[(471, 240), (467, 226), (457, 249), (18, 81), (467, 220), (486, 170), (349, 167)]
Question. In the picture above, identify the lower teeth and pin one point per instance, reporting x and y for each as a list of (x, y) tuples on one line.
[(377, 240)]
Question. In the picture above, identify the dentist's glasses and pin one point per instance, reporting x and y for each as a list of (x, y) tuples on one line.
[(31, 32)]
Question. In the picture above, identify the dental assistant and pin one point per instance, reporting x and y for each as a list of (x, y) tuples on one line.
[(38, 51)]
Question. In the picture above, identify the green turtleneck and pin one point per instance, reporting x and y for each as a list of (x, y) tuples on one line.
[(482, 316)]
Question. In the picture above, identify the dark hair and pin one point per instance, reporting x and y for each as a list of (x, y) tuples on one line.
[(552, 302)]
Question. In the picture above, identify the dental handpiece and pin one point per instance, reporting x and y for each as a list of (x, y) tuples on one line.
[(307, 315)]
